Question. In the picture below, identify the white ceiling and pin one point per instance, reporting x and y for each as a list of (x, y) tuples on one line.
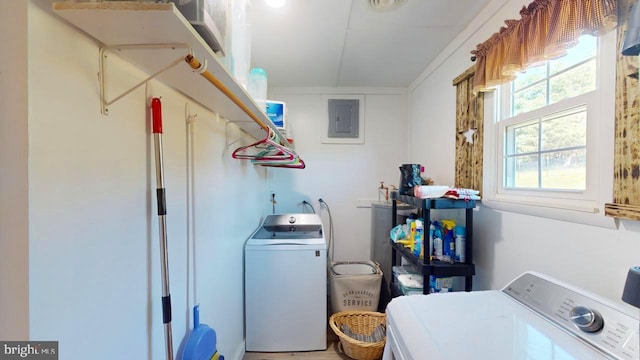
[(346, 43)]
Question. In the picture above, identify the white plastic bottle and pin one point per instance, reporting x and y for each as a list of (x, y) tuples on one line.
[(437, 244), (460, 244)]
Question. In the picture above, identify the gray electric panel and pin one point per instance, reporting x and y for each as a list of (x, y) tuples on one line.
[(343, 118)]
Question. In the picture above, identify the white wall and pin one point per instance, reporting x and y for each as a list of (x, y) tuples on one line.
[(93, 261), (82, 229), (342, 174), (507, 244), (14, 255)]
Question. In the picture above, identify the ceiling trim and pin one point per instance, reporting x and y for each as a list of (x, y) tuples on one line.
[(338, 90), (343, 42)]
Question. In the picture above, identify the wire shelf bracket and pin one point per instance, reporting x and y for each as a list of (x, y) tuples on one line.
[(102, 74)]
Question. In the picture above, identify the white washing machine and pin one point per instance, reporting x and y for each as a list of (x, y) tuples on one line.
[(286, 285), (534, 317)]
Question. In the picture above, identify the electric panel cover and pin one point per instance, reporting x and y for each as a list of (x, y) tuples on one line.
[(343, 118)]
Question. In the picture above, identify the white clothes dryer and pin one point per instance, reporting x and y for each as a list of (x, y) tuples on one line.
[(534, 317)]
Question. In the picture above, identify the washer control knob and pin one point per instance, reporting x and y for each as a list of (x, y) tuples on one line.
[(292, 220), (586, 319)]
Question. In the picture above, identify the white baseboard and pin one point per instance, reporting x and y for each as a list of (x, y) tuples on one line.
[(239, 353)]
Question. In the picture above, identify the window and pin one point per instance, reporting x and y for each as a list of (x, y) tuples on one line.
[(548, 152), (550, 144), (571, 75)]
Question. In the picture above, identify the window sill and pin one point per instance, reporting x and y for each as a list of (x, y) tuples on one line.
[(574, 216)]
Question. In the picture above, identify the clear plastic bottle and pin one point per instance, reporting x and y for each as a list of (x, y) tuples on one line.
[(241, 41), (257, 87)]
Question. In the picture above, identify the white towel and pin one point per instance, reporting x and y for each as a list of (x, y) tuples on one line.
[(429, 191)]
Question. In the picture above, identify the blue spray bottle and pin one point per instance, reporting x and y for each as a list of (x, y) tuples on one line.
[(449, 250)]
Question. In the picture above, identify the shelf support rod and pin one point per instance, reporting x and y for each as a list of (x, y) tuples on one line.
[(201, 68), (197, 66), (104, 103)]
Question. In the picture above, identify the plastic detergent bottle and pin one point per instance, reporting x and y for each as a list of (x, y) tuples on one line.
[(448, 241), (412, 235), (431, 230), (437, 243), (448, 246), (418, 237), (460, 244)]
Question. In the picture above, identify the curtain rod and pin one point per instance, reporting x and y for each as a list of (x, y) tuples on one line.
[(196, 65)]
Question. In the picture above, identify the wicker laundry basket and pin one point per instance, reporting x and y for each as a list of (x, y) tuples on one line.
[(360, 322)]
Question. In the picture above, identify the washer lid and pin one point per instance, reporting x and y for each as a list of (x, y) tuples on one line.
[(478, 325), (291, 219), (290, 226)]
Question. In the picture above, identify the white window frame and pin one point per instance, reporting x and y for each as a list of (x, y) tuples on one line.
[(585, 207), (578, 198)]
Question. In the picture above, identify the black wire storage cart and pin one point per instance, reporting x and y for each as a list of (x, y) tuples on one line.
[(427, 266)]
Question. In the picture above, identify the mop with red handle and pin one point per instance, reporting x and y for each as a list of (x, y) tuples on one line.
[(156, 112)]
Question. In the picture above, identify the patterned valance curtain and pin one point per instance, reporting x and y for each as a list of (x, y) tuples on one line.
[(547, 28)]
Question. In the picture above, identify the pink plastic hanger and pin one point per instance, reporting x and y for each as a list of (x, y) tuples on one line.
[(269, 149)]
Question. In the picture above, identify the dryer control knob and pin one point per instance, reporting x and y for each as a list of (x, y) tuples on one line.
[(586, 319)]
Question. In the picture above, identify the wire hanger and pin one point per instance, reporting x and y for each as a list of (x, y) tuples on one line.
[(269, 149), (295, 164)]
